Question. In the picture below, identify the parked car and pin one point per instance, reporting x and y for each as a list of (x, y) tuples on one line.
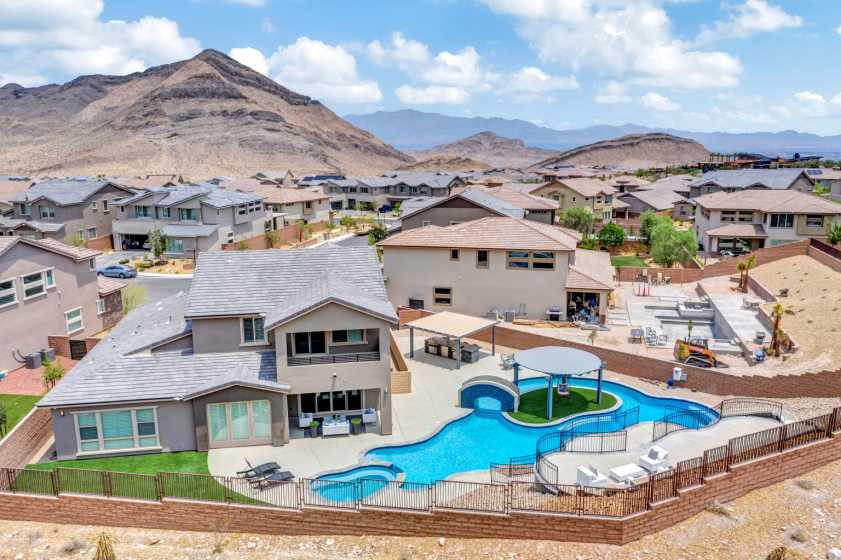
[(118, 271)]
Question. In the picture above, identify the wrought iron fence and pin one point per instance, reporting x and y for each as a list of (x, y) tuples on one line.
[(677, 419), (750, 407), (470, 496), (394, 494), (333, 359)]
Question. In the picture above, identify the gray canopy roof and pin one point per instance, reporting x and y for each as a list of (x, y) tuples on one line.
[(558, 360)]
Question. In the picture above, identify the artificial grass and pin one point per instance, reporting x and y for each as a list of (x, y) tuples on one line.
[(533, 404), (194, 462), (628, 260), (17, 406)]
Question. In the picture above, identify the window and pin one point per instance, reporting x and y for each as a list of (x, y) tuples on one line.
[(105, 208), (166, 212), (336, 401), (308, 205), (93, 205), (252, 330), (541, 260), (482, 258), (81, 234), (73, 320), (92, 265), (110, 430), (454, 254), (310, 343), (122, 209), (782, 220), (47, 212), (187, 214), (518, 259), (426, 223), (442, 296), (142, 212), (737, 216), (350, 336), (814, 221), (175, 246), (26, 209), (92, 233), (8, 295), (100, 306), (242, 209), (230, 237), (37, 283)]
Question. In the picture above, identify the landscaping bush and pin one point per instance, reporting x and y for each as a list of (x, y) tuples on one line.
[(125, 261), (612, 235), (579, 219)]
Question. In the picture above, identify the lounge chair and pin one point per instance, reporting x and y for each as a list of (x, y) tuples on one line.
[(589, 476), (273, 479), (259, 471), (628, 473), (655, 459)]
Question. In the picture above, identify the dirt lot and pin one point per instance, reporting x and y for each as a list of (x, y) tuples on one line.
[(803, 515)]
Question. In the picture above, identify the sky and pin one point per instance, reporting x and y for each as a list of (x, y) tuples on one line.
[(703, 65)]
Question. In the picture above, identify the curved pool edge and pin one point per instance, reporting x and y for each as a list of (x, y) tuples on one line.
[(369, 463), (619, 403)]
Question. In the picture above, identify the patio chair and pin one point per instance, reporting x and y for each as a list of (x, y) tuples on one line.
[(662, 340), (273, 479), (589, 476), (655, 459), (259, 471), (507, 361)]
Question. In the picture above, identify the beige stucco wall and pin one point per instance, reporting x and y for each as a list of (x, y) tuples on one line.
[(414, 272), (27, 324), (442, 216)]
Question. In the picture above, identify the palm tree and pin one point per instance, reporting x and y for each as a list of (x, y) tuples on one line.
[(744, 271), (777, 333)]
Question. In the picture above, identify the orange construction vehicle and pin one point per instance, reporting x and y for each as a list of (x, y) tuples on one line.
[(695, 352)]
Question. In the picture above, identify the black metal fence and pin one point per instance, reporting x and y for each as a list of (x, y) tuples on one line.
[(545, 496), (678, 419), (750, 407)]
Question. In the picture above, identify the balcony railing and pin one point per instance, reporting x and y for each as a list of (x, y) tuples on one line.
[(292, 361)]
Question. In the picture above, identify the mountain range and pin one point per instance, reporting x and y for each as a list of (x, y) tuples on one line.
[(411, 129), (488, 147), (204, 116)]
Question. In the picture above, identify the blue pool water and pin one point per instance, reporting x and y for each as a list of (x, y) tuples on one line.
[(483, 437), (340, 486)]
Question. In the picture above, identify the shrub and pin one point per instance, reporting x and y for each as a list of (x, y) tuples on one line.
[(125, 261), (53, 371), (104, 548), (579, 219), (612, 235), (834, 234), (377, 234), (806, 484), (590, 243)]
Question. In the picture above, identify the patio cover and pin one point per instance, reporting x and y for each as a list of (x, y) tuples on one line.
[(453, 325)]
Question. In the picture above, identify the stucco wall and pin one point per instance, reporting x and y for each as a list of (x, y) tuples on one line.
[(220, 335), (455, 210), (280, 432)]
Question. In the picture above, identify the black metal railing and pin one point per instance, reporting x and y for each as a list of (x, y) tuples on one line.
[(750, 407), (292, 361), (677, 419)]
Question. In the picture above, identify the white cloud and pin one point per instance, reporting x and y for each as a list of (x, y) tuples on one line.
[(656, 102), (432, 95), (613, 92), (267, 25), (810, 97), (632, 39), (836, 100), (404, 53), (838, 30), (68, 37), (750, 18), (533, 80), (252, 58), (322, 71)]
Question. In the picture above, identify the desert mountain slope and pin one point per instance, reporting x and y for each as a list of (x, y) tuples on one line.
[(488, 147), (447, 163), (206, 115), (634, 151)]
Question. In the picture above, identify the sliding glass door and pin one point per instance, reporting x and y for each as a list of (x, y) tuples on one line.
[(239, 423)]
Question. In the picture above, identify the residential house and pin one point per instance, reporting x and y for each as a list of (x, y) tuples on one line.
[(67, 209), (144, 182), (48, 288), (194, 218), (276, 176), (660, 201), (240, 360), (473, 203), (11, 185), (286, 206), (372, 193), (496, 265), (584, 192), (742, 179), (829, 179), (751, 219)]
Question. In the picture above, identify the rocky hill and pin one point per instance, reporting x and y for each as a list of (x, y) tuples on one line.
[(447, 163), (634, 151), (487, 147), (202, 116)]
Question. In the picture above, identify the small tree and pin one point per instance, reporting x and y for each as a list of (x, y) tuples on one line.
[(579, 219), (396, 208), (592, 337), (348, 222), (134, 296), (670, 246), (612, 235), (648, 222), (53, 371), (272, 238), (242, 245), (834, 234), (777, 334), (157, 243), (377, 234), (75, 240), (304, 229), (744, 272)]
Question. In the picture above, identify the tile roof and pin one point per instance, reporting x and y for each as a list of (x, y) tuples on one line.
[(526, 188), (285, 195), (586, 186), (827, 173), (738, 230), (51, 245), (46, 227), (592, 271), (744, 178), (658, 199), (261, 282), (108, 285), (524, 200), (189, 230), (782, 201), (63, 192), (210, 194), (488, 233)]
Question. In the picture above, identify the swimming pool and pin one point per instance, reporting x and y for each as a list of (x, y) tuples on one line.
[(340, 487), (473, 442)]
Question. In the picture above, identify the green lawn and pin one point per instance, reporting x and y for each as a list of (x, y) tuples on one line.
[(17, 406), (194, 462), (533, 404), (627, 260)]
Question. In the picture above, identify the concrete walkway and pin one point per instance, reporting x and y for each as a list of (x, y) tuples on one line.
[(681, 445)]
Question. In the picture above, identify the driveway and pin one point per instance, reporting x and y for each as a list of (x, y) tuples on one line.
[(114, 258), (158, 288)]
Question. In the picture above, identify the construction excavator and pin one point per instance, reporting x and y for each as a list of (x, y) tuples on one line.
[(694, 351)]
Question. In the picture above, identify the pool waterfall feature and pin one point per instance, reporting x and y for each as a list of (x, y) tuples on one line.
[(484, 436)]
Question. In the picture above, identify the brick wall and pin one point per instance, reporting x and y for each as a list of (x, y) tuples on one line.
[(113, 309), (407, 314), (197, 516), (60, 343), (401, 382), (826, 384), (828, 260), (19, 447), (256, 242), (104, 243)]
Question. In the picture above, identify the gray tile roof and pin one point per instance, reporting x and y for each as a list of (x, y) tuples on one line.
[(475, 195), (662, 199), (210, 194), (744, 178), (63, 192), (264, 282), (46, 227), (189, 230)]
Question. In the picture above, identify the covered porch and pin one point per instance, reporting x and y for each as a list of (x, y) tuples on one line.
[(737, 238), (452, 327)]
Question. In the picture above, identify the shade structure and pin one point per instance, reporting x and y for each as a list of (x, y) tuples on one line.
[(452, 325)]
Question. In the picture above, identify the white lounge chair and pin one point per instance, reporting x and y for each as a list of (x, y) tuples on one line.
[(589, 476), (629, 473), (304, 420), (655, 459)]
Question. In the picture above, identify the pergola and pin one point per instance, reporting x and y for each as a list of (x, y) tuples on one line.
[(559, 362), (452, 325)]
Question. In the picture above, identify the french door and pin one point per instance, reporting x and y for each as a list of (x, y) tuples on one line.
[(233, 424)]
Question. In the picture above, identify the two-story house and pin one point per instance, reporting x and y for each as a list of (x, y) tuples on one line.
[(194, 218), (505, 266), (47, 289), (66, 209), (263, 339), (287, 205), (743, 179), (574, 192), (751, 219), (473, 203), (374, 192)]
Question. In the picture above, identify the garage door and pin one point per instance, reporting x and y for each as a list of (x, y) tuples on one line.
[(241, 423)]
